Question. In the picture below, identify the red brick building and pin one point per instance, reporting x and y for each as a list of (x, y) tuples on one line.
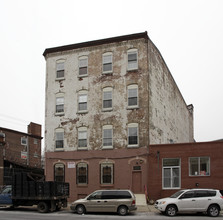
[(188, 165), (160, 170), (20, 151), (129, 168)]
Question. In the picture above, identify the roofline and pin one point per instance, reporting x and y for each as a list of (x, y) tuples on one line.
[(20, 132), (96, 43)]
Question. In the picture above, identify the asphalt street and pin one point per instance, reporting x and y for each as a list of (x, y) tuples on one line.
[(32, 214)]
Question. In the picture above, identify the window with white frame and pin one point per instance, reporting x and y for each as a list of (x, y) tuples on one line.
[(83, 66), (132, 59), (107, 136), (82, 137), (60, 103), (23, 140), (59, 138), (133, 135), (199, 166), (171, 173), (59, 172), (107, 98), (133, 96), (82, 101), (107, 170), (82, 173), (107, 62), (60, 69)]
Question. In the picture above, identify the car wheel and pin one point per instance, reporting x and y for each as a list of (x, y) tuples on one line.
[(80, 209), (122, 210), (171, 210), (213, 211), (43, 207)]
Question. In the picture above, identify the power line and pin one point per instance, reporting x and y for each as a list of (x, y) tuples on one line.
[(14, 118)]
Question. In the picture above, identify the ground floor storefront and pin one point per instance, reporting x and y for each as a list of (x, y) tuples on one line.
[(156, 170)]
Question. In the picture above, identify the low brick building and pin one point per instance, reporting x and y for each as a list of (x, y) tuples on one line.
[(189, 165), (20, 151)]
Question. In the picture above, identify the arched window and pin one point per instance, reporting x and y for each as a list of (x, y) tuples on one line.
[(59, 103), (82, 173), (82, 137), (133, 96), (132, 59), (59, 138), (59, 172), (60, 69), (107, 136), (133, 135), (107, 62), (82, 101), (83, 66), (107, 173), (107, 98)]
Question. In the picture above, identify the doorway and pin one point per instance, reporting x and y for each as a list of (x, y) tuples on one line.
[(137, 182)]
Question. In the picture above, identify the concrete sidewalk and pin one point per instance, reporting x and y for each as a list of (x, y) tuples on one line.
[(146, 208)]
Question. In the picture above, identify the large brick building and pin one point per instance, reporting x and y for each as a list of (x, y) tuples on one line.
[(106, 102), (20, 152)]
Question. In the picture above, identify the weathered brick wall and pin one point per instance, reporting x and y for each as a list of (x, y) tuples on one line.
[(94, 83), (123, 159), (170, 119), (214, 150), (13, 148)]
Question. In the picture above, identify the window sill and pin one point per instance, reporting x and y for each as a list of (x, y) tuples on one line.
[(107, 73), (82, 148), (82, 76), (82, 185), (107, 109), (82, 112), (107, 148), (132, 107), (59, 149), (199, 175), (59, 114), (107, 185), (59, 79), (133, 146), (173, 188)]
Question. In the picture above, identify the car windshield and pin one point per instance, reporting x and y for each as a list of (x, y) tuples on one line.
[(175, 195)]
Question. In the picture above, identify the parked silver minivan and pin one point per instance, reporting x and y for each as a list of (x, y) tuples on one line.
[(120, 201)]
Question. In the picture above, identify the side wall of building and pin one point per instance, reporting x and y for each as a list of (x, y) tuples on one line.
[(169, 117), (13, 147)]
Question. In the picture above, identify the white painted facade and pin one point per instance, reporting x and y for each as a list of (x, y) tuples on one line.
[(161, 113)]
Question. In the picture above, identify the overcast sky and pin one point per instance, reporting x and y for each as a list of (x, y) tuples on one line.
[(188, 33)]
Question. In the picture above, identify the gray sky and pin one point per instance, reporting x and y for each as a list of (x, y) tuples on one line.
[(188, 33)]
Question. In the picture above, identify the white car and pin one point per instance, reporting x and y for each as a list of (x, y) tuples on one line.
[(192, 200)]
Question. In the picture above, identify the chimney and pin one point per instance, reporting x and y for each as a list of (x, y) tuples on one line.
[(34, 129), (190, 108)]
